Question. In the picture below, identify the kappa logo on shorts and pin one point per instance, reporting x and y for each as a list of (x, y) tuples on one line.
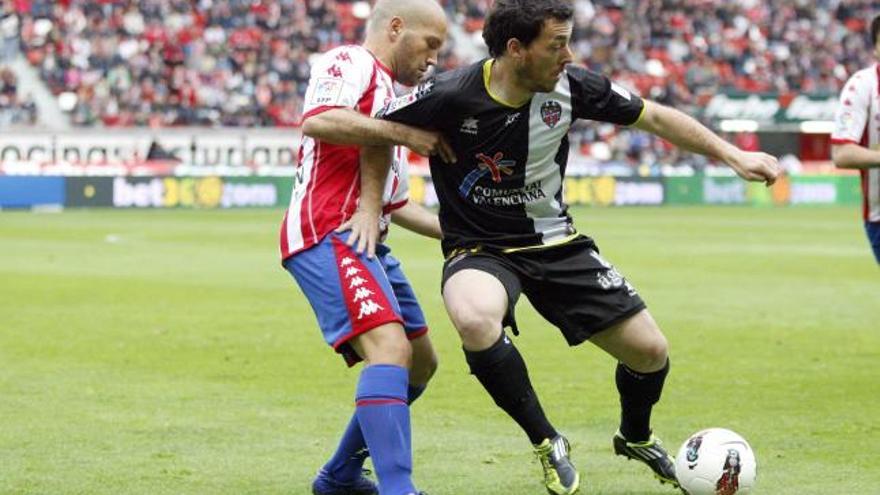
[(362, 293), (362, 298), (369, 308)]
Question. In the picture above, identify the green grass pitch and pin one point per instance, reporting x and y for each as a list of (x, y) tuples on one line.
[(167, 352)]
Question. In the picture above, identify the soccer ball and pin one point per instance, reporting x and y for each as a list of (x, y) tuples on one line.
[(716, 462)]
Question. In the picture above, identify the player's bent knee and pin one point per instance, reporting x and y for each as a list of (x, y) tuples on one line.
[(471, 317), (423, 369), (424, 361), (652, 354), (477, 328), (476, 303), (393, 351), (386, 344)]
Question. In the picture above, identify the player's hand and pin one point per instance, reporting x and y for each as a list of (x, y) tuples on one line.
[(756, 166), (364, 227), (428, 143)]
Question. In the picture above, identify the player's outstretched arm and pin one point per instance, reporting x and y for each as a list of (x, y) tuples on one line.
[(685, 132), (854, 156), (346, 127), (364, 224), (416, 218)]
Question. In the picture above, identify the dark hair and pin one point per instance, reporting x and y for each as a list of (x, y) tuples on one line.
[(521, 19), (875, 30)]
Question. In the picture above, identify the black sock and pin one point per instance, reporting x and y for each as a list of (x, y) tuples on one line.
[(638, 394), (503, 373)]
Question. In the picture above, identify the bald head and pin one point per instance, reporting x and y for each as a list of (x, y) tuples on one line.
[(406, 35), (409, 11)]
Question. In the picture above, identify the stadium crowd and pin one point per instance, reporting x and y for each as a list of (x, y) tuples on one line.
[(181, 62), (14, 110), (246, 62), (683, 52)]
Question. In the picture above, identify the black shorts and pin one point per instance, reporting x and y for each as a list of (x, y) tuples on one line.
[(570, 285)]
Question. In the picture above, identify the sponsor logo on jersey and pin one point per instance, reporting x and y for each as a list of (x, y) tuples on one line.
[(397, 104), (406, 100), (551, 113), (493, 196), (512, 118), (493, 166)]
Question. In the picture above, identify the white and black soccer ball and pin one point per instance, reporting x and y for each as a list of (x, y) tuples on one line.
[(716, 461)]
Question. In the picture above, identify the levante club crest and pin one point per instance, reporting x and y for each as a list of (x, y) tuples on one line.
[(551, 112)]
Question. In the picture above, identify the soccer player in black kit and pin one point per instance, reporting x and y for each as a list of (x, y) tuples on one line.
[(506, 230)]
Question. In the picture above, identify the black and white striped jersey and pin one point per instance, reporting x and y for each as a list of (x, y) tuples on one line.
[(505, 192)]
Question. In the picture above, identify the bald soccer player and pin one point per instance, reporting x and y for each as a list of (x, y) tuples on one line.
[(364, 305)]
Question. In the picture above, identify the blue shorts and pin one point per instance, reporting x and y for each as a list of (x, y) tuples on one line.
[(352, 294), (873, 231)]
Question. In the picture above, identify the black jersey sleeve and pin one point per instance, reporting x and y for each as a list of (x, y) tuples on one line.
[(595, 97), (425, 106)]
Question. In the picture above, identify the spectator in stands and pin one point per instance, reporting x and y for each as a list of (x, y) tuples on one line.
[(14, 110), (9, 29)]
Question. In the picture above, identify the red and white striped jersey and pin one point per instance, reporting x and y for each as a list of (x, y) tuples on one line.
[(858, 121), (326, 184)]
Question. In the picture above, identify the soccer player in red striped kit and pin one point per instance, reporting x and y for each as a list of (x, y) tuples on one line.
[(364, 305), (855, 141)]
